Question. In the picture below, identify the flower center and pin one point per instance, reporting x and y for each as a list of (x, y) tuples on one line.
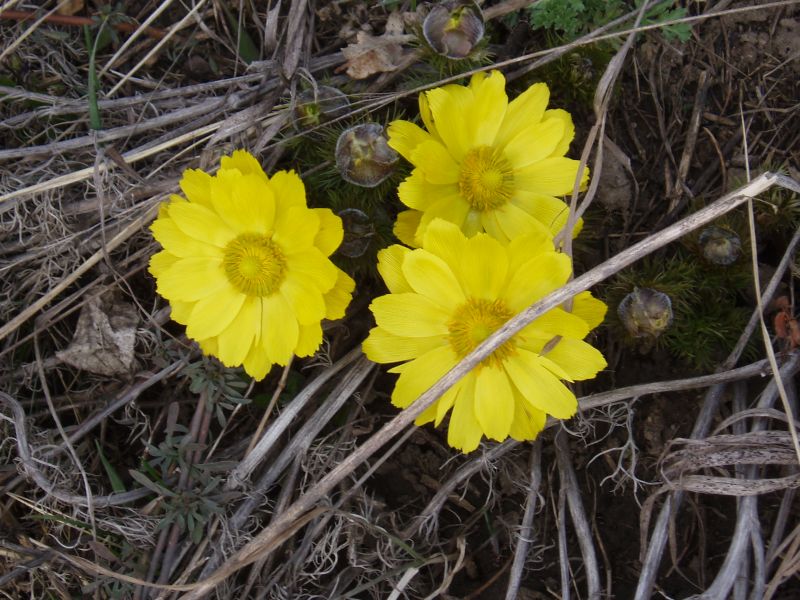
[(486, 180), (473, 322), (254, 264)]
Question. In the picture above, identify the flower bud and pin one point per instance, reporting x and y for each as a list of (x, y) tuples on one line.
[(720, 246), (645, 312), (315, 106), (363, 157), (358, 232), (454, 28)]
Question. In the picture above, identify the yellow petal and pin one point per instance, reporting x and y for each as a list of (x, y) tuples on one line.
[(534, 143), (180, 311), (415, 191), (296, 228), (484, 266), (426, 116), (539, 387), (244, 162), (537, 278), (569, 130), (445, 403), (235, 341), (257, 362), (430, 276), (406, 225), (515, 222), (288, 189), (451, 207), (160, 262), (390, 266), (578, 359), (384, 347), (201, 223), (314, 265), (528, 421), (309, 339), (243, 202), (491, 225), (279, 329), (191, 279), (410, 315), (551, 176), (212, 314), (451, 109), (405, 136), (464, 432), (196, 184), (494, 402), (524, 110), (330, 232), (208, 346), (527, 247), (488, 108), (549, 211), (589, 308), (420, 374), (446, 240), (557, 322), (304, 298), (435, 162), (176, 242), (338, 297)]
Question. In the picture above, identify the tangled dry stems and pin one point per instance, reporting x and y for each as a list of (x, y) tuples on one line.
[(72, 210)]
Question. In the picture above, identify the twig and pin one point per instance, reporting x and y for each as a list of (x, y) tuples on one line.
[(569, 483), (526, 527), (78, 21)]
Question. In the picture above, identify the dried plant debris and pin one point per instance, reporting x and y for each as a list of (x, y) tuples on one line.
[(104, 337), (118, 457)]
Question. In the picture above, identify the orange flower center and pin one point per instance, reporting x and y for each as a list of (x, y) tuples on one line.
[(486, 180), (254, 264), (473, 322)]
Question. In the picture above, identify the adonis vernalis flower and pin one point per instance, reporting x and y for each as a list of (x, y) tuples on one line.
[(245, 264), (484, 163), (447, 297)]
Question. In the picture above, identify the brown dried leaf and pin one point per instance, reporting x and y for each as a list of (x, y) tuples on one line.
[(104, 338), (370, 54), (70, 8)]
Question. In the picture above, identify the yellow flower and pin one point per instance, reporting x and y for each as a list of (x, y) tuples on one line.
[(484, 163), (245, 264), (447, 297)]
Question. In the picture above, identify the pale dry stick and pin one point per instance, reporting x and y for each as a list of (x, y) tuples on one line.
[(298, 445), (526, 527), (789, 566), (273, 434), (157, 48), (563, 555), (133, 36), (15, 44), (658, 538), (275, 395), (569, 483), (106, 135), (747, 520), (90, 262), (252, 550)]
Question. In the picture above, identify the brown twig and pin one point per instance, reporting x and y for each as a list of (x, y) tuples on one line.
[(78, 21)]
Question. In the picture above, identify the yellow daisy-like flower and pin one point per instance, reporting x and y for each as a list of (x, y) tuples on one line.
[(245, 264), (449, 296), (484, 163)]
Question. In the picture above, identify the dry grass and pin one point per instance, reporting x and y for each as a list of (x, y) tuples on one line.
[(169, 476)]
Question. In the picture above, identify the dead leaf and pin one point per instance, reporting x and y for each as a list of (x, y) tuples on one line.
[(70, 8), (104, 337), (370, 54)]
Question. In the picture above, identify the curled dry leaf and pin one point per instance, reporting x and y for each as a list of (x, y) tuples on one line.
[(370, 54), (104, 337)]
